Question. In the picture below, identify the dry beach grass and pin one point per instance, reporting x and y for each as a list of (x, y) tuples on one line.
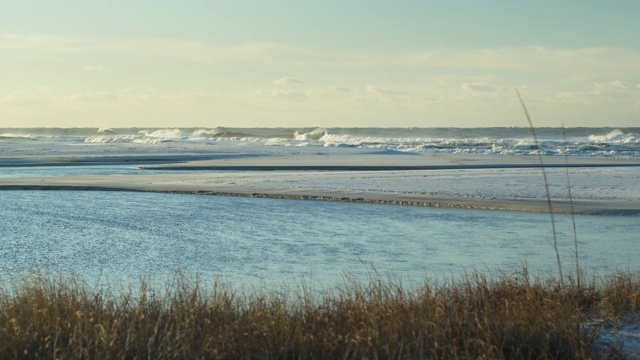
[(503, 316)]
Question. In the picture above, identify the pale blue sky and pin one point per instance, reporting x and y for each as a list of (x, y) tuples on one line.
[(318, 63)]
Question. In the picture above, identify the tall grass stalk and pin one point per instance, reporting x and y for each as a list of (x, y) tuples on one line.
[(546, 186), (572, 212)]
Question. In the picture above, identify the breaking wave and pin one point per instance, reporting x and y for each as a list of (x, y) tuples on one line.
[(603, 142)]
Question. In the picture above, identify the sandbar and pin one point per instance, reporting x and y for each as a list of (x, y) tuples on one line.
[(599, 186)]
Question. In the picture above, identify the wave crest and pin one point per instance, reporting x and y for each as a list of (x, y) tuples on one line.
[(315, 134), (614, 137), (605, 142)]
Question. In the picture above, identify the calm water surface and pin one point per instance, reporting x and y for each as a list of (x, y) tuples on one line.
[(116, 237)]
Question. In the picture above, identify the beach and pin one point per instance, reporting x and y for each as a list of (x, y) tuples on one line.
[(598, 185)]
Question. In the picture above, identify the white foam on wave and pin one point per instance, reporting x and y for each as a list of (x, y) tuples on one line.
[(110, 139), (150, 141), (286, 142), (607, 142), (17, 136), (204, 134), (614, 137), (163, 134), (372, 142), (141, 137), (315, 134)]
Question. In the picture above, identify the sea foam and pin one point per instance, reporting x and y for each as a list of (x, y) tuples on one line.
[(596, 142)]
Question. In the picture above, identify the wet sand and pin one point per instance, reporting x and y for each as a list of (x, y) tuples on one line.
[(600, 186)]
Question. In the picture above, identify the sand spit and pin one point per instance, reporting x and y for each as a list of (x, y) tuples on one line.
[(384, 162), (599, 186), (216, 184)]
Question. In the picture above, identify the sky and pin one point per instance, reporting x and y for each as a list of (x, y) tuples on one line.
[(346, 63)]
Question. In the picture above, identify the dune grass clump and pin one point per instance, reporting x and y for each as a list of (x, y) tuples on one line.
[(514, 317)]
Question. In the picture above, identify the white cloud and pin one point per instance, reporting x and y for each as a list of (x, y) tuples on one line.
[(287, 81), (339, 89), (613, 87), (412, 81), (584, 63), (380, 91), (20, 98), (94, 96), (94, 68), (282, 94), (157, 48), (41, 42), (610, 92), (478, 86)]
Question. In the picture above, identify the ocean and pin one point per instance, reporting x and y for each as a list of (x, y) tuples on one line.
[(595, 142), (115, 237)]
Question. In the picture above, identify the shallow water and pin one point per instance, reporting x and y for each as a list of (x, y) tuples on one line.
[(116, 237), (68, 170)]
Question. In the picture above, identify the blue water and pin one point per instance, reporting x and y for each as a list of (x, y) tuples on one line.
[(47, 171), (116, 237)]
